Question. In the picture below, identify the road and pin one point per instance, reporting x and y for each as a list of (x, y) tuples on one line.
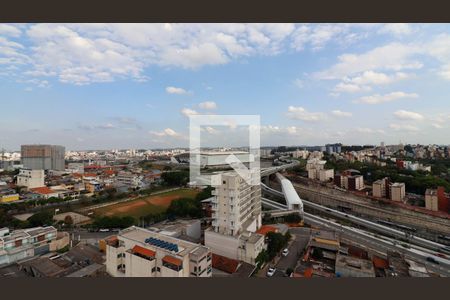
[(301, 237)]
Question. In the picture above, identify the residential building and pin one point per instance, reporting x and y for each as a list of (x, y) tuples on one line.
[(380, 188), (25, 243), (236, 217), (43, 192), (397, 191), (303, 154), (355, 183), (333, 148), (138, 252), (431, 199), (326, 175), (129, 180), (31, 178), (437, 200), (43, 157), (314, 166)]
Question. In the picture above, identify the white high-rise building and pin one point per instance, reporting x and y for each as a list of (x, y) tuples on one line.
[(236, 217)]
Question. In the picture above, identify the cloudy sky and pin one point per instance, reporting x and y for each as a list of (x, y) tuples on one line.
[(103, 86)]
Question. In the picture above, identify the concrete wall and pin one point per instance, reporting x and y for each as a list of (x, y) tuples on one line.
[(62, 240), (221, 244)]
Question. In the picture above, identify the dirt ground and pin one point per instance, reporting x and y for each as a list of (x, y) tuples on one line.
[(145, 206)]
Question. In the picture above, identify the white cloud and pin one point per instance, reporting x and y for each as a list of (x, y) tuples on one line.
[(166, 132), (437, 125), (299, 83), (188, 112), (391, 57), (9, 30), (208, 105), (210, 130), (106, 126), (299, 113), (403, 127), (408, 115), (176, 90), (369, 130), (377, 98), (349, 88), (396, 29), (341, 114)]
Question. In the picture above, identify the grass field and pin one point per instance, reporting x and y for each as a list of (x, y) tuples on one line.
[(145, 205)]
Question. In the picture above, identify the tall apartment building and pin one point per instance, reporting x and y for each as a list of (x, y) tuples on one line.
[(349, 182), (397, 191), (431, 199), (355, 183), (236, 207), (333, 148), (43, 157), (31, 178), (436, 200), (138, 252), (380, 188), (383, 188), (316, 170)]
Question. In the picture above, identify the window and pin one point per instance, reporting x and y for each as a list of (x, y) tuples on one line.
[(153, 269), (158, 269), (223, 182), (195, 269)]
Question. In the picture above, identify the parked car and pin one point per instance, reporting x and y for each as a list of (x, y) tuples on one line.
[(104, 230), (271, 272), (285, 252), (432, 260)]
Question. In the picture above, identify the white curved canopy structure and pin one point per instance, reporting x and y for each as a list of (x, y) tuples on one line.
[(293, 201)]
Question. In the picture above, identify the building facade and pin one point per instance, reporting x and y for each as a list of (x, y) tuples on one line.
[(397, 191), (25, 243), (138, 252), (236, 214), (31, 178), (43, 157)]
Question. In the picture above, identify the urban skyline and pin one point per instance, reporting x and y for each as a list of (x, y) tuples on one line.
[(97, 86)]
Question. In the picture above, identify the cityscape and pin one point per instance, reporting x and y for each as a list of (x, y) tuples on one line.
[(107, 171)]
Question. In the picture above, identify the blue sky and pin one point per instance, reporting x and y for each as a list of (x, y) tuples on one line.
[(103, 86)]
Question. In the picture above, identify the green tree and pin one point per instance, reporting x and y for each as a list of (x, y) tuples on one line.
[(41, 218)]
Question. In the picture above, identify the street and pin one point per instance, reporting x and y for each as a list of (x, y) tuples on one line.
[(300, 240)]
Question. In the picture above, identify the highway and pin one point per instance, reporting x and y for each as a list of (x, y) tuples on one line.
[(368, 224), (378, 243)]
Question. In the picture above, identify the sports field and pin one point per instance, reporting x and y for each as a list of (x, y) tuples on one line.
[(145, 205)]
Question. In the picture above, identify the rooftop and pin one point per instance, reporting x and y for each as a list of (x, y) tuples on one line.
[(140, 235)]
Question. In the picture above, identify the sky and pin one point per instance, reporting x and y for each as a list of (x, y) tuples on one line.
[(122, 86)]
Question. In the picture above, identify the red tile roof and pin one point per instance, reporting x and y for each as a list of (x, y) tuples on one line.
[(143, 251), (42, 190), (224, 263), (265, 229), (172, 260), (90, 175)]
